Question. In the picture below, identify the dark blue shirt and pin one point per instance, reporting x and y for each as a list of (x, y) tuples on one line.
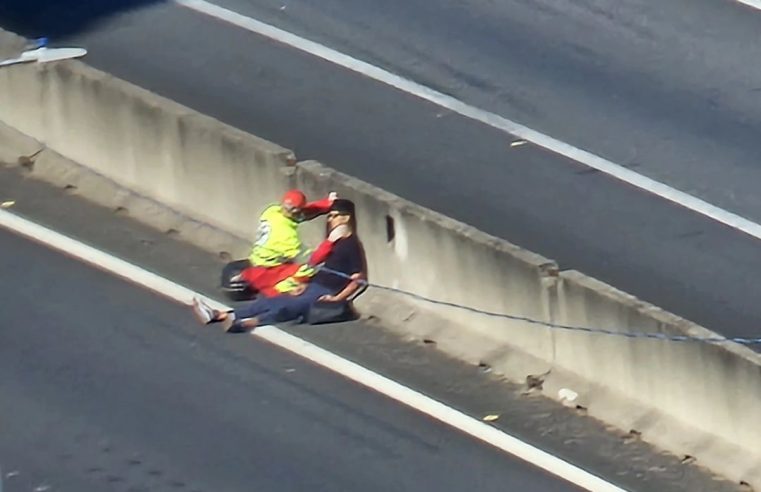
[(345, 257)]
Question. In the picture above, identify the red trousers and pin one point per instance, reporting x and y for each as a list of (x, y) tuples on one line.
[(264, 279)]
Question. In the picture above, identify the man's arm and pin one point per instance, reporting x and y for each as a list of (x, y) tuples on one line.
[(321, 253), (320, 207), (348, 291)]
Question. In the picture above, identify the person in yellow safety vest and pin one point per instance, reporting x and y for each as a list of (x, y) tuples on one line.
[(278, 253)]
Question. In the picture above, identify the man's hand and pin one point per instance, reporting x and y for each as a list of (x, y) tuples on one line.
[(329, 298)]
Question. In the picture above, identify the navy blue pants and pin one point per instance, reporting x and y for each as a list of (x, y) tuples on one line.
[(279, 309)]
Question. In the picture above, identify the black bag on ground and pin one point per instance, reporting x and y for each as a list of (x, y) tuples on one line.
[(236, 290), (330, 312)]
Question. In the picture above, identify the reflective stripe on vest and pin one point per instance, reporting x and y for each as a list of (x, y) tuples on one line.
[(297, 279), (277, 239)]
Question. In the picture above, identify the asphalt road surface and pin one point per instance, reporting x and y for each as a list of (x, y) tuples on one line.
[(107, 387), (665, 87), (542, 422)]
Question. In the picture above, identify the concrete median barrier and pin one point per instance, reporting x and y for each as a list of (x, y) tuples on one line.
[(696, 398), (693, 398), (180, 171), (145, 143), (416, 250)]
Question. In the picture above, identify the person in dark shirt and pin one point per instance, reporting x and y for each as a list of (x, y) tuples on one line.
[(346, 256)]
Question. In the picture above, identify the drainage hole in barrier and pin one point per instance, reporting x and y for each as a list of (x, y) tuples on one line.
[(390, 229), (26, 164)]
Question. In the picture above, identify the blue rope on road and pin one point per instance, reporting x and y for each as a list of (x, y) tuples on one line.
[(546, 324)]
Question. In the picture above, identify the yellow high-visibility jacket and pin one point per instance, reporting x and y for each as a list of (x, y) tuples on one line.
[(277, 239)]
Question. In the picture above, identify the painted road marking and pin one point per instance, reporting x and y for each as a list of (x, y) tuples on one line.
[(491, 119), (756, 4), (350, 370)]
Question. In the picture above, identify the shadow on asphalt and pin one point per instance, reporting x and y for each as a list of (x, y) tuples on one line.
[(58, 19)]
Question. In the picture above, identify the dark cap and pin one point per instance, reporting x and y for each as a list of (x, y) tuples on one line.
[(343, 206)]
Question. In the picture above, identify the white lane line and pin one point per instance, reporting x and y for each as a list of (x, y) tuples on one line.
[(756, 4), (355, 372), (491, 119)]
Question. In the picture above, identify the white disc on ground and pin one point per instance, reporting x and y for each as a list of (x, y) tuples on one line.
[(57, 54), (46, 55)]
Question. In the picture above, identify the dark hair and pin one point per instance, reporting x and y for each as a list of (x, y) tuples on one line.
[(344, 207)]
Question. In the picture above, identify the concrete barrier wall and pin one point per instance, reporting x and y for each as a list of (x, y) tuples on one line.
[(146, 143), (439, 258), (690, 396), (714, 389), (693, 398)]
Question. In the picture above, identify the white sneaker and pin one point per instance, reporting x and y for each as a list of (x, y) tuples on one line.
[(203, 313)]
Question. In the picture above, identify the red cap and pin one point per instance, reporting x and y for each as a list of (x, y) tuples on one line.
[(294, 199)]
